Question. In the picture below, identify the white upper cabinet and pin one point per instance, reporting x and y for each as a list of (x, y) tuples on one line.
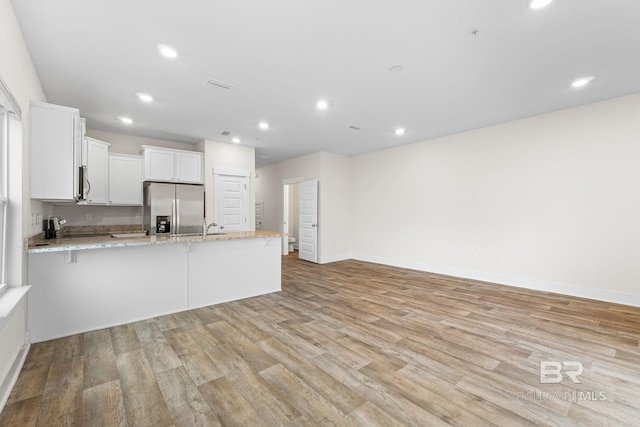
[(170, 165), (56, 152), (189, 167), (96, 158), (159, 164), (125, 180)]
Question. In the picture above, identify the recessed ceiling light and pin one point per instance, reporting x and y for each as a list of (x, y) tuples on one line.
[(144, 97), (539, 4), (400, 131), (263, 125), (125, 120), (322, 104), (581, 82), (396, 69), (167, 51), (235, 140)]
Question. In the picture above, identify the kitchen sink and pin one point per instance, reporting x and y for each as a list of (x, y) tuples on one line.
[(127, 235)]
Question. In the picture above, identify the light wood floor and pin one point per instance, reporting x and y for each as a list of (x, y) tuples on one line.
[(348, 343)]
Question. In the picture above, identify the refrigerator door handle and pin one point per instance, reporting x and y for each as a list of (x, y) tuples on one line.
[(177, 216), (173, 217)]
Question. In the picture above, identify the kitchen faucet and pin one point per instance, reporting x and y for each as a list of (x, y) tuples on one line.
[(205, 227)]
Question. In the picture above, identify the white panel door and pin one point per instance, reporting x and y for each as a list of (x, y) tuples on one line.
[(308, 246), (233, 203)]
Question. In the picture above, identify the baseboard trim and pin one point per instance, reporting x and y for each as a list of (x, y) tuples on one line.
[(12, 375), (334, 258), (516, 281)]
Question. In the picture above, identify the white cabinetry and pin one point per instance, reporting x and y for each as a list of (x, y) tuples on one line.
[(125, 180), (159, 164), (189, 167), (63, 300), (56, 152), (170, 165), (96, 158)]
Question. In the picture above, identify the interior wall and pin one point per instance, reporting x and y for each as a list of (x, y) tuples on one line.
[(235, 156), (129, 144), (19, 74), (335, 209), (268, 185), (100, 215), (549, 202)]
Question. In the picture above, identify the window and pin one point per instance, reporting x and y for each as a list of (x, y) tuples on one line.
[(4, 136), (9, 116)]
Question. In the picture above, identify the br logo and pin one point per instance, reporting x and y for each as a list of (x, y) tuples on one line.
[(551, 371)]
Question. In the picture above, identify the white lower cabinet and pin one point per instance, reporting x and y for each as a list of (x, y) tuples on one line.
[(125, 180), (102, 288)]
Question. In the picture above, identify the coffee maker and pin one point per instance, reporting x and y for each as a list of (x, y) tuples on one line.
[(52, 226)]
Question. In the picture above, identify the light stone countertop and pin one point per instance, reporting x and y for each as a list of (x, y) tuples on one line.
[(104, 242)]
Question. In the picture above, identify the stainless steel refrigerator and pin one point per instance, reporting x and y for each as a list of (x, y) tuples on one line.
[(173, 208)]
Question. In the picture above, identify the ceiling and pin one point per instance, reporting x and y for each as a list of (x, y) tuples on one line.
[(465, 64)]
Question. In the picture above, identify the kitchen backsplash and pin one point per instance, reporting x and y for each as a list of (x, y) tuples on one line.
[(77, 215)]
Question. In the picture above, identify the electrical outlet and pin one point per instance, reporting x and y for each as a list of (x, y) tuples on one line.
[(37, 218), (88, 217), (138, 216)]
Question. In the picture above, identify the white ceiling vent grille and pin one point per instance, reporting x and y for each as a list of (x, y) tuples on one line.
[(225, 133), (218, 83)]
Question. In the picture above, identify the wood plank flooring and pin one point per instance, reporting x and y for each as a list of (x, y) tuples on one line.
[(347, 343)]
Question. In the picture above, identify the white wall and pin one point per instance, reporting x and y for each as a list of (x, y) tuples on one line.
[(268, 185), (335, 212), (18, 72), (222, 154), (550, 202), (129, 144)]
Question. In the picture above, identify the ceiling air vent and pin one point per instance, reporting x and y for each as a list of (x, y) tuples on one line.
[(218, 83), (225, 133)]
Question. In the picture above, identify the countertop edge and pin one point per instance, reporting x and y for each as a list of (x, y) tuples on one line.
[(110, 242)]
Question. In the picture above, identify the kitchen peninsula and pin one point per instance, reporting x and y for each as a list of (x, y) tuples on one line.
[(81, 284)]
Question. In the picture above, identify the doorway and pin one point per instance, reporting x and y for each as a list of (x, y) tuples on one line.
[(300, 217), (291, 217)]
